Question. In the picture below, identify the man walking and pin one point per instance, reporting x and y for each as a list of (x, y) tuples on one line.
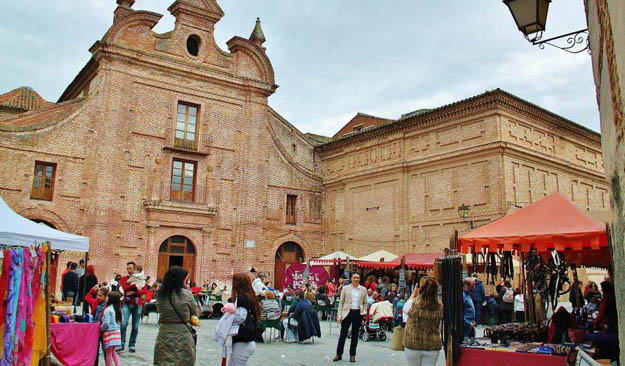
[(352, 307), (132, 303)]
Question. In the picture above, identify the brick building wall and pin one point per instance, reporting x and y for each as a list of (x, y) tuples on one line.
[(399, 186), (112, 138)]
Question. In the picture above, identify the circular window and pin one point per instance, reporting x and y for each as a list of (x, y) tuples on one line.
[(193, 45)]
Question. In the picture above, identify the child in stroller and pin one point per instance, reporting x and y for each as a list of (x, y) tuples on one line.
[(370, 330)]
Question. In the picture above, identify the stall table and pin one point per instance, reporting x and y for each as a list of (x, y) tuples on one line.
[(482, 357), (75, 344)]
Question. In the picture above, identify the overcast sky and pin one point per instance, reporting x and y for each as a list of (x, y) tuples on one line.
[(334, 58)]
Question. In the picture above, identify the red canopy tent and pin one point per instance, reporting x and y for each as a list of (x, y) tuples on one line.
[(421, 261), (553, 222)]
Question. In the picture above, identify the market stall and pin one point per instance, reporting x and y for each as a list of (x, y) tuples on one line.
[(26, 248), (552, 237)]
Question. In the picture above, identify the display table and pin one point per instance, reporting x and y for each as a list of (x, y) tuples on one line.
[(75, 344), (473, 356)]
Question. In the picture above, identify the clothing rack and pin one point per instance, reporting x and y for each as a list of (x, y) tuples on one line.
[(449, 270)]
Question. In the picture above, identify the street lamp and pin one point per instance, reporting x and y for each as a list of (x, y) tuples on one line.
[(530, 17), (463, 212)]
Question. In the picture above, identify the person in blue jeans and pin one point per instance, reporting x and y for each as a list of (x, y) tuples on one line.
[(132, 305), (478, 295)]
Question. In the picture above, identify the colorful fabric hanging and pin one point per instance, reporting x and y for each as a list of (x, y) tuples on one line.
[(31, 355), (26, 308), (4, 287), (17, 265)]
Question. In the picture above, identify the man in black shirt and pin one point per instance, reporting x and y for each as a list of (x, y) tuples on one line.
[(70, 283)]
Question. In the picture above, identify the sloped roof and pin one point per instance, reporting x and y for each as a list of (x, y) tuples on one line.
[(23, 98), (317, 139)]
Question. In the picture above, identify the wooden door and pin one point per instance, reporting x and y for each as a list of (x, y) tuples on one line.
[(176, 246), (163, 265), (189, 265)]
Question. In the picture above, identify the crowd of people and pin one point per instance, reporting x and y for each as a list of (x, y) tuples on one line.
[(121, 301)]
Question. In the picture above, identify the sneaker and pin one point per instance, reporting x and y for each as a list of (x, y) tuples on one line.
[(132, 349), (120, 350)]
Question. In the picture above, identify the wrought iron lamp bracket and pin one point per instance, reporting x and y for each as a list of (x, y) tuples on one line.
[(574, 42)]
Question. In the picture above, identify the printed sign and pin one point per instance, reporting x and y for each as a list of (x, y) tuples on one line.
[(294, 275)]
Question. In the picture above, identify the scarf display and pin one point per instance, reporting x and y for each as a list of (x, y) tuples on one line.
[(22, 306)]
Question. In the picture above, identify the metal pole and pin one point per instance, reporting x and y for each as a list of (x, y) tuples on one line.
[(84, 282)]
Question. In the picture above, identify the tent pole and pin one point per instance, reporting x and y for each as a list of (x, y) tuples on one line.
[(83, 291), (47, 357)]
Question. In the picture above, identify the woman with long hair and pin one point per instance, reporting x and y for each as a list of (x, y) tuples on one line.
[(175, 342), (247, 317), (370, 283), (85, 284), (422, 340), (110, 327)]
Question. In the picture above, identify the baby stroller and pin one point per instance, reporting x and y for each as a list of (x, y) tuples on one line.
[(371, 331)]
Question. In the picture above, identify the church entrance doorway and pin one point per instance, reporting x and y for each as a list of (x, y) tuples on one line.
[(176, 251), (288, 253)]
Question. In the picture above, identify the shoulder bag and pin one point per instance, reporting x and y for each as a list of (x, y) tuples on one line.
[(186, 323)]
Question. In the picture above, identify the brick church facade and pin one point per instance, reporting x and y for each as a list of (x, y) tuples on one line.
[(164, 150)]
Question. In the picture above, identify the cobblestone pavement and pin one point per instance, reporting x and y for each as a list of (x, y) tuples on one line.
[(306, 354)]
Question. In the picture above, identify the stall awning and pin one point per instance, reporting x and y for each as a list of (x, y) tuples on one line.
[(553, 222), (378, 256), (422, 261), (16, 230), (332, 258)]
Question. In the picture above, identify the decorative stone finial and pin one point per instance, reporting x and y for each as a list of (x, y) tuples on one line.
[(123, 8), (257, 35), (125, 3)]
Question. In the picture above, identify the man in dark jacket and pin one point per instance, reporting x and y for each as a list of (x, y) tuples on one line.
[(307, 320), (70, 283), (478, 296)]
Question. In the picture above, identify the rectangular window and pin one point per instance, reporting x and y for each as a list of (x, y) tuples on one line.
[(291, 199), (183, 181), (187, 121), (43, 182)]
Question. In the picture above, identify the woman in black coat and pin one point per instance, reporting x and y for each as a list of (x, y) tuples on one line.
[(85, 284)]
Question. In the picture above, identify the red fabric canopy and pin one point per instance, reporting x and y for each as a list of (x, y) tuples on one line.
[(553, 222), (423, 261)]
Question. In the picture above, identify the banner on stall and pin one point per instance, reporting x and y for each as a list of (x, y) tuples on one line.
[(295, 275)]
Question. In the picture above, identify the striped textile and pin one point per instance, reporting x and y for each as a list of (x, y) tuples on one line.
[(112, 338)]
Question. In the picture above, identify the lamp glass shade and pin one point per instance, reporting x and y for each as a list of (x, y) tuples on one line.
[(530, 16), (463, 211)]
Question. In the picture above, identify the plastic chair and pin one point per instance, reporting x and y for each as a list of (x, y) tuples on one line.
[(272, 324)]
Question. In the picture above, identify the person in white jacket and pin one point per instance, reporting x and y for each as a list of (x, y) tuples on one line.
[(519, 306), (259, 285)]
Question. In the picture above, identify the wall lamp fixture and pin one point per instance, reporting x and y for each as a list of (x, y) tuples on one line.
[(530, 17)]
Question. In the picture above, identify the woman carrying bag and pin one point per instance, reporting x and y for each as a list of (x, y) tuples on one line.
[(247, 317), (175, 343), (422, 339)]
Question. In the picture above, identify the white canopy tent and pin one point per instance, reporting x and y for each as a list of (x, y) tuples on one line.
[(332, 258), (377, 256), (16, 230)]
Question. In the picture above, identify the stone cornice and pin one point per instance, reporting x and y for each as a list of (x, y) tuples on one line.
[(180, 208), (500, 147), (490, 100)]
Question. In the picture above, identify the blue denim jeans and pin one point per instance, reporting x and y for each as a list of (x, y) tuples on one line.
[(129, 310)]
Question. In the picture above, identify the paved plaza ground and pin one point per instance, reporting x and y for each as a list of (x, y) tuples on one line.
[(272, 354)]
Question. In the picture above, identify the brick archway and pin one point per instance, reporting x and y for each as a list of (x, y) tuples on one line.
[(177, 250), (39, 214)]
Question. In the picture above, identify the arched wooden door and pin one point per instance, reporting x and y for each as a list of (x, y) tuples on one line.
[(176, 251), (287, 253)]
